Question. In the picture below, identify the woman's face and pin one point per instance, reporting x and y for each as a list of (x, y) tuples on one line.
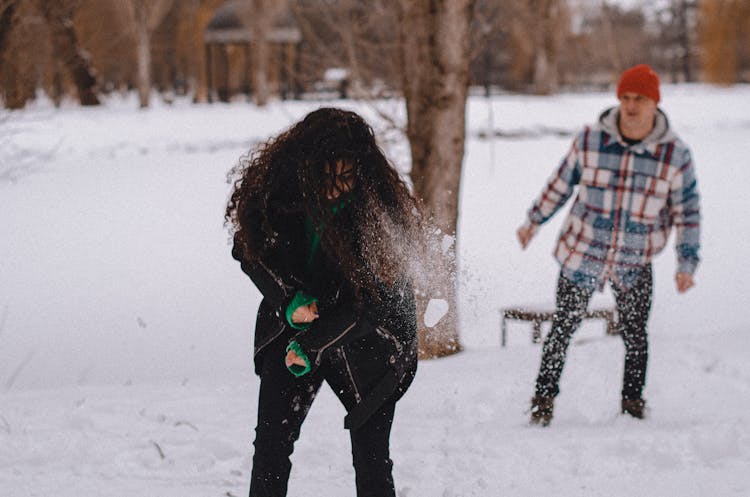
[(340, 179)]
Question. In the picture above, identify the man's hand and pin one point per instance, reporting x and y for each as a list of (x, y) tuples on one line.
[(525, 234), (293, 358), (684, 282), (305, 313)]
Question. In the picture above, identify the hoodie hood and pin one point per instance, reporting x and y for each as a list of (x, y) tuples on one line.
[(662, 133)]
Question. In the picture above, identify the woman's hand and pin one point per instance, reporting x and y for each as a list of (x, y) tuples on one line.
[(293, 358), (305, 313)]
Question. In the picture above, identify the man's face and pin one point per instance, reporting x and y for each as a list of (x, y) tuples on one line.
[(636, 115)]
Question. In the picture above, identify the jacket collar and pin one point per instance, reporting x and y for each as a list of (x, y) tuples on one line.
[(662, 132)]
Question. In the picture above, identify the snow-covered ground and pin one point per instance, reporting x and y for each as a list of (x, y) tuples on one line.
[(126, 327)]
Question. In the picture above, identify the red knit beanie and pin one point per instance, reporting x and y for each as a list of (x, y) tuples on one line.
[(640, 79)]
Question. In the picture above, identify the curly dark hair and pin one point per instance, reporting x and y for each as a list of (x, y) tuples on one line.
[(372, 239)]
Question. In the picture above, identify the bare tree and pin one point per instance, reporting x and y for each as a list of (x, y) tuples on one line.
[(435, 47), (724, 31), (610, 38), (358, 35), (550, 24), (675, 42), (684, 16), (518, 43), (143, 17), (261, 15), (58, 15), (23, 52), (7, 18), (7, 11), (191, 32), (490, 43), (606, 38)]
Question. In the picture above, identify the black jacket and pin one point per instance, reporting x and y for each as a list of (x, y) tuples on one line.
[(376, 336)]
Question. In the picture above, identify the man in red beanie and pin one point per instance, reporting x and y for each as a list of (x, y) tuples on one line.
[(636, 180)]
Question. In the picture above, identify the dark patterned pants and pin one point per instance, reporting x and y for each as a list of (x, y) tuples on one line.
[(633, 308), (283, 404)]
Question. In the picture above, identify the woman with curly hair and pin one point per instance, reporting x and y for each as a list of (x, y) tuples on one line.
[(324, 226)]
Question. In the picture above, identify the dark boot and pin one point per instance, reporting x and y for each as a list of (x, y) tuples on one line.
[(541, 410), (634, 407)]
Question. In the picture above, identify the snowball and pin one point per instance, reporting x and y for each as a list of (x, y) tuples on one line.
[(436, 309)]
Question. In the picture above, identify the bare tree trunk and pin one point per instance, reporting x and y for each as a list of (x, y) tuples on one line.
[(543, 73), (205, 11), (683, 14), (7, 12), (59, 18), (610, 41), (435, 49), (260, 69), (143, 60), (546, 40), (262, 16), (144, 17), (361, 37), (720, 40), (9, 84), (18, 71)]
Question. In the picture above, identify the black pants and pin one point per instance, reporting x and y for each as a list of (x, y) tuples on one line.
[(633, 307), (283, 404)]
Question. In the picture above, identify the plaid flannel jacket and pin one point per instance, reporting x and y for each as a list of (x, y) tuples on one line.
[(629, 197)]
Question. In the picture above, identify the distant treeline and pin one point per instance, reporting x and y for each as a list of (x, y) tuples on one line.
[(82, 49)]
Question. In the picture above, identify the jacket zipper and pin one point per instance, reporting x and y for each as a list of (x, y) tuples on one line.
[(357, 396), (274, 337), (388, 334), (275, 277), (318, 358)]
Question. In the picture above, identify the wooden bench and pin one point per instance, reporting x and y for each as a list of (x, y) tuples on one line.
[(538, 317)]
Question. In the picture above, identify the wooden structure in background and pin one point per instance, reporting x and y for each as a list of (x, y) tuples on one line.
[(538, 316), (229, 54)]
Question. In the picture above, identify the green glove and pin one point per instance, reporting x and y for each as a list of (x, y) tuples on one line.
[(296, 369), (300, 299)]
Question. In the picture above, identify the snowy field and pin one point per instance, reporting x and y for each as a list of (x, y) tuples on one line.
[(126, 327)]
